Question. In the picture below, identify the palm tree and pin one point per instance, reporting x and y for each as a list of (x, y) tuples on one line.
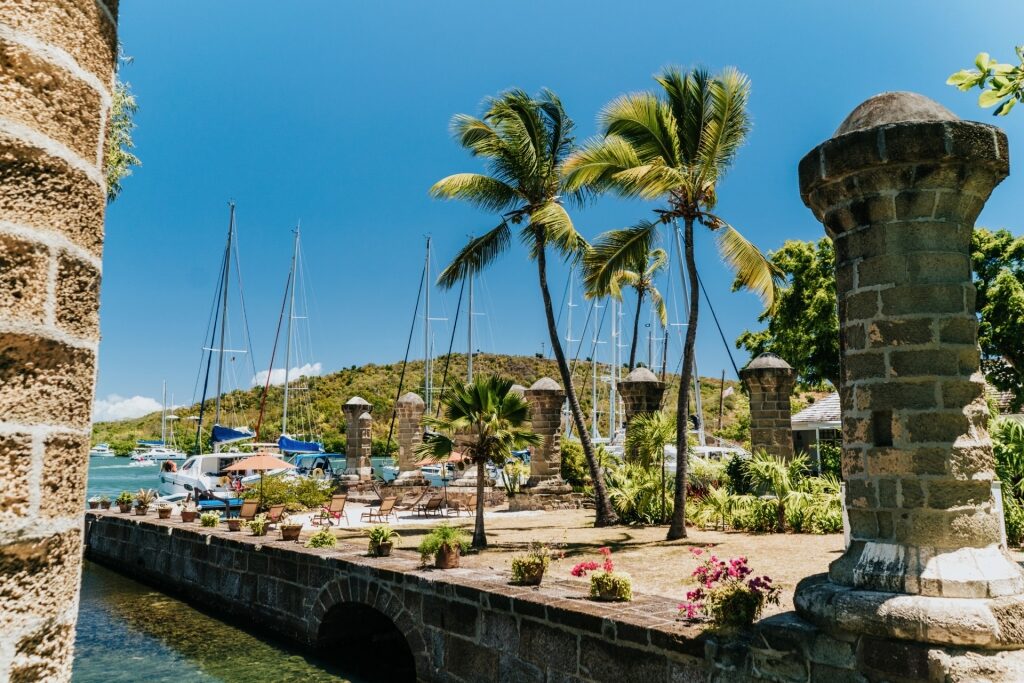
[(646, 438), (486, 420), (779, 477), (639, 276), (524, 142), (676, 148)]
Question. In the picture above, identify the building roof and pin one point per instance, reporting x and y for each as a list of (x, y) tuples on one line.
[(822, 414)]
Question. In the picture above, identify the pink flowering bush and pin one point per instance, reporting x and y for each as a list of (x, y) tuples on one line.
[(605, 582), (727, 594)]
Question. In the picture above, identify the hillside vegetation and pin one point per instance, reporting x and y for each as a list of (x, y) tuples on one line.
[(315, 402)]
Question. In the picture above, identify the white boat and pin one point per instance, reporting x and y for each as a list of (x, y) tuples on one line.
[(205, 473), (101, 450), (159, 453)]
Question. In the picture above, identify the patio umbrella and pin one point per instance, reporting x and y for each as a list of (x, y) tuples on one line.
[(261, 462)]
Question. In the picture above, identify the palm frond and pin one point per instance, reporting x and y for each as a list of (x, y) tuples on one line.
[(658, 259), (753, 269), (559, 230), (615, 251), (689, 99), (658, 302), (595, 164), (648, 181), (727, 127), (478, 253), (480, 190), (641, 120)]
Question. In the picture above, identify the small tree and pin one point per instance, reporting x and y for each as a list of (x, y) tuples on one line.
[(485, 419)]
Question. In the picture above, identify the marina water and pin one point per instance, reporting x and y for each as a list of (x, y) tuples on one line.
[(130, 632)]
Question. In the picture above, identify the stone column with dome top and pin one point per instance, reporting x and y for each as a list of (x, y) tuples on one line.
[(641, 392), (546, 398), (769, 381), (409, 412), (358, 445), (898, 188)]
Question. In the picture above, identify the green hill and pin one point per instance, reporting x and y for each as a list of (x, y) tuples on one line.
[(317, 401)]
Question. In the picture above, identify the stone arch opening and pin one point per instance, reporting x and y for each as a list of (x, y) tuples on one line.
[(366, 643)]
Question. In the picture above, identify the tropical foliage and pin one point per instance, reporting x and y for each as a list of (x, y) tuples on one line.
[(726, 593), (1001, 84), (998, 261), (442, 536), (484, 419), (1008, 448), (636, 492), (296, 494), (324, 538), (675, 147), (524, 142), (119, 158), (647, 436)]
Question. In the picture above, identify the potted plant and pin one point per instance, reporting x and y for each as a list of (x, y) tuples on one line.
[(258, 525), (143, 499), (528, 570), (727, 594), (234, 524), (209, 519), (606, 583), (163, 510), (189, 511), (104, 502), (322, 539), (445, 544), (290, 531), (124, 501), (94, 502), (381, 540)]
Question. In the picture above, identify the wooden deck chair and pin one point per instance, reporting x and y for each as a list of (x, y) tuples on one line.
[(457, 508), (432, 506), (386, 510), (275, 514), (412, 504), (248, 510), (334, 511)]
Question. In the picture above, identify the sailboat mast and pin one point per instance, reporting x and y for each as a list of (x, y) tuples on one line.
[(288, 335), (163, 415), (469, 333), (427, 371), (224, 311)]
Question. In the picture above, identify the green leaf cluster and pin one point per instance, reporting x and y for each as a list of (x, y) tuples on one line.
[(322, 539), (1000, 84)]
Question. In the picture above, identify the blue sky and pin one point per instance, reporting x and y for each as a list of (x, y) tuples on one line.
[(337, 114)]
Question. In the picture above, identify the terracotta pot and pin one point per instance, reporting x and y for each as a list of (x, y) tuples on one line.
[(93, 504), (381, 549), (532, 576), (141, 511), (104, 505), (261, 532), (189, 516), (447, 558), (290, 533), (124, 507), (234, 524), (163, 513)]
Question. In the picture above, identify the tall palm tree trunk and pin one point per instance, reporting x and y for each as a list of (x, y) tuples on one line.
[(636, 329), (605, 515), (678, 527), (479, 535)]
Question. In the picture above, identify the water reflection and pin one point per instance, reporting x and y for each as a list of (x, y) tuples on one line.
[(128, 632)]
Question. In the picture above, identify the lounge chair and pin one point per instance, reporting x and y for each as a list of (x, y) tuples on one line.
[(248, 510), (275, 514), (333, 511), (432, 506), (382, 513), (412, 505), (457, 508)]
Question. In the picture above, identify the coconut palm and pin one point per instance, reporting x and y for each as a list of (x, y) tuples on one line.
[(676, 148), (639, 276), (524, 142), (487, 421)]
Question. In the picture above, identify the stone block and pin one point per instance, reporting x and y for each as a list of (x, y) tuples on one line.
[(925, 363), (65, 464), (887, 492), (862, 305), (850, 153), (894, 395), (863, 366), (935, 426), (40, 578), (470, 661), (861, 493), (959, 393), (945, 494), (24, 267), (453, 617), (600, 659), (928, 298), (78, 291), (958, 330), (548, 647), (16, 464), (916, 142), (914, 204), (45, 381), (863, 523)]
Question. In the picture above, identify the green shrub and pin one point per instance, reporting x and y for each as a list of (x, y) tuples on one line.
[(611, 586), (125, 498), (296, 494), (755, 514), (831, 458), (704, 474), (258, 525), (322, 539), (574, 465), (636, 493), (209, 519), (1014, 514), (739, 478), (443, 535)]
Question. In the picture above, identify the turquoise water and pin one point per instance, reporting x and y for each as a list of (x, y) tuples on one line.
[(130, 632)]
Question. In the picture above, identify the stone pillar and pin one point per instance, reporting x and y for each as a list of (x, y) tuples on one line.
[(769, 381), (58, 67), (898, 189), (641, 392), (409, 409), (546, 398), (357, 437)]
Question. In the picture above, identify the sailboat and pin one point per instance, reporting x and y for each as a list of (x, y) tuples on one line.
[(165, 448)]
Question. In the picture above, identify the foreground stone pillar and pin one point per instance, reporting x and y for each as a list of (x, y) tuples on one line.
[(58, 62), (769, 381), (409, 409), (641, 392), (357, 438), (546, 398), (898, 189)]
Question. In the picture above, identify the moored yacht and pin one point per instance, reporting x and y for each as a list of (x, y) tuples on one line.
[(101, 450)]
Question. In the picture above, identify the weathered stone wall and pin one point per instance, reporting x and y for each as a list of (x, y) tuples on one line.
[(57, 60), (467, 625), (546, 397), (769, 381), (641, 392), (357, 438)]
